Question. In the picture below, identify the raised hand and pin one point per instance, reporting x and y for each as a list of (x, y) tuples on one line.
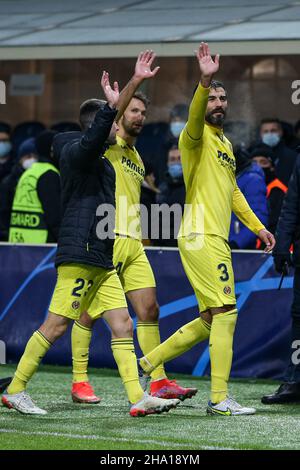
[(208, 66), (111, 94), (143, 65)]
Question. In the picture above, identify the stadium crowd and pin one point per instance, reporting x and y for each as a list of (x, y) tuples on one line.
[(263, 171)]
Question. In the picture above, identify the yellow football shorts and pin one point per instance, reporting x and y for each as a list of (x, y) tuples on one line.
[(132, 264), (207, 263), (80, 285)]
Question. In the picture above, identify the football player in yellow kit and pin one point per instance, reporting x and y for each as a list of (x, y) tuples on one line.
[(130, 262), (211, 194)]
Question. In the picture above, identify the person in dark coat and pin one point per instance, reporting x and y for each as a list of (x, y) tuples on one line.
[(288, 233), (276, 189), (251, 181)]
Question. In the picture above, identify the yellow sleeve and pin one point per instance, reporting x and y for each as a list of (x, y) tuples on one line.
[(192, 133), (244, 212)]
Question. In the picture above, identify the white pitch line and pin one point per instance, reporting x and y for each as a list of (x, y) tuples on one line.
[(93, 437)]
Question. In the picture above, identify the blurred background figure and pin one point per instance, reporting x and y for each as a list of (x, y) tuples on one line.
[(149, 190), (271, 134), (172, 190), (276, 189), (251, 181), (36, 206), (6, 156), (27, 155), (25, 130), (155, 140)]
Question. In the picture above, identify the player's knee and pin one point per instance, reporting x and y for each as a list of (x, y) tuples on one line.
[(85, 320), (124, 328), (53, 329), (149, 312), (223, 309)]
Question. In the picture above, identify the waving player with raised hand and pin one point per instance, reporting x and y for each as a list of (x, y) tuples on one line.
[(84, 260), (129, 257), (211, 195)]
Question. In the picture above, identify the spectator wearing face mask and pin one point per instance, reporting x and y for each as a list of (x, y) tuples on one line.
[(6, 160), (284, 158), (36, 206), (155, 139), (172, 191), (276, 189), (251, 181), (27, 155)]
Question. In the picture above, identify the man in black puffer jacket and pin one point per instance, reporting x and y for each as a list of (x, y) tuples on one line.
[(84, 257), (288, 233)]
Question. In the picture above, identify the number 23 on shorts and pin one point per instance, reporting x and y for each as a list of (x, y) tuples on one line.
[(82, 284)]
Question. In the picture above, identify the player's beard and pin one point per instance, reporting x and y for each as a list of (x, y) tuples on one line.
[(129, 129), (217, 121)]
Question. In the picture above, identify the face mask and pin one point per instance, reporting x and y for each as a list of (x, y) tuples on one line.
[(175, 170), (28, 163), (271, 139), (176, 127), (5, 148)]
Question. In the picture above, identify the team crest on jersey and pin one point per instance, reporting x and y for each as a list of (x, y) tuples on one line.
[(227, 290), (75, 305)]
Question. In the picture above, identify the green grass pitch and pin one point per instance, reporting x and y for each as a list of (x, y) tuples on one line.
[(108, 426)]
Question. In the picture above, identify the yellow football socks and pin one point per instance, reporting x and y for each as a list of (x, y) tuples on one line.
[(35, 350), (181, 341), (220, 348), (81, 338), (123, 351), (149, 338)]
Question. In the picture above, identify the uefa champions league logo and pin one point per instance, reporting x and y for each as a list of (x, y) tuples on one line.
[(2, 92), (2, 352)]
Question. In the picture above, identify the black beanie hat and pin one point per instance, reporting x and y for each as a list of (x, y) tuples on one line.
[(43, 143), (4, 127)]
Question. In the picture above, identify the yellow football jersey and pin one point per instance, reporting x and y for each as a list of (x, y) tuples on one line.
[(209, 174), (130, 173)]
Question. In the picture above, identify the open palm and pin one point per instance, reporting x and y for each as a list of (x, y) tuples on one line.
[(208, 66), (143, 65), (111, 94)]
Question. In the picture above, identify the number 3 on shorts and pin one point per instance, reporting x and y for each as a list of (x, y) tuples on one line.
[(223, 268)]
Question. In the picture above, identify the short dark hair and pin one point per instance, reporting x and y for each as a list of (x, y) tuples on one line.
[(269, 120), (214, 84), (139, 95), (87, 111), (217, 84)]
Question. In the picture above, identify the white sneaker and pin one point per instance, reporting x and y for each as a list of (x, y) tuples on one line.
[(22, 403), (152, 405), (228, 407)]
